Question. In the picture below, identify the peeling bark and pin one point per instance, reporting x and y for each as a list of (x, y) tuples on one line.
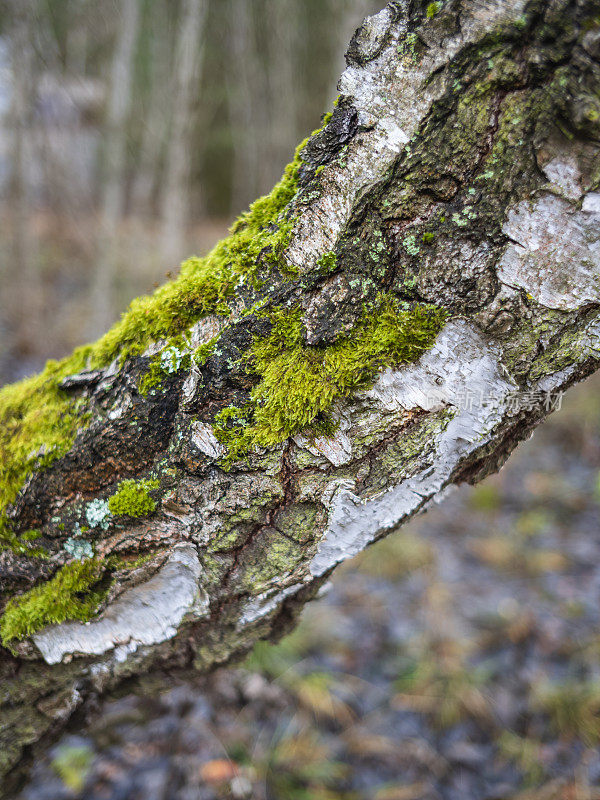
[(460, 167)]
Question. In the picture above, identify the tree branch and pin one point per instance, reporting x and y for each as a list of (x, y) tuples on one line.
[(408, 303)]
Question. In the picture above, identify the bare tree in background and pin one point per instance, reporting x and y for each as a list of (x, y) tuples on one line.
[(246, 104), (24, 248), (155, 121), (112, 202), (175, 199), (282, 25)]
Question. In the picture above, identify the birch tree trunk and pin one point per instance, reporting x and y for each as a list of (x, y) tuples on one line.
[(392, 320), (112, 200), (176, 194)]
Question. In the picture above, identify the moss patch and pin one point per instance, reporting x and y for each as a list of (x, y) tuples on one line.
[(132, 499), (298, 384), (37, 424), (433, 9), (69, 594)]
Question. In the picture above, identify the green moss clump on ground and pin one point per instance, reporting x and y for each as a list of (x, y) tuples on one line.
[(68, 595), (298, 384), (132, 499)]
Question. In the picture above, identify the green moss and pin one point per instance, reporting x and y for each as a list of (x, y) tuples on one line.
[(433, 9), (30, 536), (38, 423), (69, 594), (117, 563), (72, 764), (204, 351), (20, 544), (132, 499), (298, 384), (152, 378), (327, 263)]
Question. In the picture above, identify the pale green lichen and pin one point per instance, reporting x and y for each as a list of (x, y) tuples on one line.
[(410, 245), (179, 355), (78, 548), (133, 499), (298, 384), (97, 513), (274, 557)]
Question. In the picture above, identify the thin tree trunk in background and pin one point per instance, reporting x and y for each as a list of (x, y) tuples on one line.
[(244, 104), (282, 76), (64, 190), (76, 48), (175, 200), (112, 200), (24, 250), (155, 120)]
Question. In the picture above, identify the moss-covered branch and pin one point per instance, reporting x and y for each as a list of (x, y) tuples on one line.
[(402, 309)]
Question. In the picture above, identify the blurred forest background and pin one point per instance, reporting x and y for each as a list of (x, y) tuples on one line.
[(131, 133)]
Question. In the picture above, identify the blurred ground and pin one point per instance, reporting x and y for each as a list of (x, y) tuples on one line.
[(457, 659)]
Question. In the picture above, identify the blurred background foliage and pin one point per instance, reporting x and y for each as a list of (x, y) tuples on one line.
[(131, 133)]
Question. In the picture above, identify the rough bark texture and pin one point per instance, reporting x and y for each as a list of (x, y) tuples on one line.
[(460, 169)]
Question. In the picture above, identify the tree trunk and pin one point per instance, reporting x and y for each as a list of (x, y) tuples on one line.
[(176, 195), (115, 157), (24, 249), (403, 309), (155, 121), (246, 99), (282, 24)]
